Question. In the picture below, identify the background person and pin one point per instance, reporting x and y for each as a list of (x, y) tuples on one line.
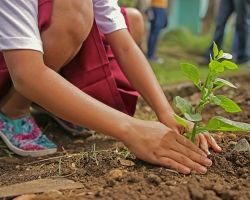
[(158, 21)]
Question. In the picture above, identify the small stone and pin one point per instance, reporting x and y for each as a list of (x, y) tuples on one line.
[(73, 165), (127, 163), (232, 136), (154, 179), (242, 146), (133, 179), (232, 144), (116, 174)]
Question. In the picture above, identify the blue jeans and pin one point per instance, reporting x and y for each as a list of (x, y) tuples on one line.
[(242, 8), (241, 43), (226, 8), (158, 23)]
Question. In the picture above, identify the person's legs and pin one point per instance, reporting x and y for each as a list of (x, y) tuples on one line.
[(225, 10), (243, 29), (70, 26), (157, 24)]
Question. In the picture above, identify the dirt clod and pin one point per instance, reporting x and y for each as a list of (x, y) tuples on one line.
[(115, 174), (153, 179)]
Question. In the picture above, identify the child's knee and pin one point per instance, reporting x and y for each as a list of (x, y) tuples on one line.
[(136, 24), (81, 20), (70, 26)]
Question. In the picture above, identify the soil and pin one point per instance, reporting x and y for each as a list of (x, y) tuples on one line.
[(108, 171)]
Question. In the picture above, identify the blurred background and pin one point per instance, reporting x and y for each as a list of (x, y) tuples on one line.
[(191, 28)]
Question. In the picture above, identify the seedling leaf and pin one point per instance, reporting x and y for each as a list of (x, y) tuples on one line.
[(227, 104), (216, 66), (193, 117), (222, 124), (220, 55), (219, 82), (191, 72), (229, 65), (215, 50), (183, 105), (181, 121)]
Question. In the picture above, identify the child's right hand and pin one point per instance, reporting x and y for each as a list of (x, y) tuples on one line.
[(157, 144)]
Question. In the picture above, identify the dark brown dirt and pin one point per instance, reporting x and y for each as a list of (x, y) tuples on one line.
[(107, 171)]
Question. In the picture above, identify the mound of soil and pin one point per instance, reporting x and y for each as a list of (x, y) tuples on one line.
[(108, 171)]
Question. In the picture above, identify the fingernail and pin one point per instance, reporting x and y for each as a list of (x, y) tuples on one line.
[(208, 152), (202, 170), (208, 162), (187, 171)]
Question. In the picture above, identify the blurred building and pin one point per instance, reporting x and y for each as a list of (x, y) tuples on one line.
[(196, 15)]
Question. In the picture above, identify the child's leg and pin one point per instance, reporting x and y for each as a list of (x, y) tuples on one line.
[(136, 24), (70, 25)]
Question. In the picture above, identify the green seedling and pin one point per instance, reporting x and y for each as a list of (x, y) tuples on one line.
[(219, 62)]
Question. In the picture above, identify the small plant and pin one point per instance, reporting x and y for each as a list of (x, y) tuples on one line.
[(219, 62)]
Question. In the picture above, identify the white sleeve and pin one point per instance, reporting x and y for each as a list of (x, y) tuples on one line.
[(19, 25), (108, 16)]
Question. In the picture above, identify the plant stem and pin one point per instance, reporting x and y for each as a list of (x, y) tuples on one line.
[(194, 131)]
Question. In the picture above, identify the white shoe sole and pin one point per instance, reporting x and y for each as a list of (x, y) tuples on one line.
[(21, 152), (38, 109)]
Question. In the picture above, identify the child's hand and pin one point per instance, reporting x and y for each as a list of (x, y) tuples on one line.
[(206, 141), (155, 143)]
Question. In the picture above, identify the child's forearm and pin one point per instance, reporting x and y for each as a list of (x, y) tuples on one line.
[(139, 73), (44, 86)]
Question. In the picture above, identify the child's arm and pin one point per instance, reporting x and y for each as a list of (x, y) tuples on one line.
[(140, 75), (150, 141)]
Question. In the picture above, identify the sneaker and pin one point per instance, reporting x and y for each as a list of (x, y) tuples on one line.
[(24, 137), (156, 60), (72, 128)]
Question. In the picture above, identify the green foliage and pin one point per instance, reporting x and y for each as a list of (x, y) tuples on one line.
[(227, 104), (181, 121), (191, 72), (183, 105), (127, 3), (219, 62), (222, 124)]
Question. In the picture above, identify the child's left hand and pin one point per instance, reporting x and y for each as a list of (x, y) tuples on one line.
[(206, 141), (203, 140)]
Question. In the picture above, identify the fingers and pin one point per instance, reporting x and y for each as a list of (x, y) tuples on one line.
[(185, 142), (211, 141), (204, 144), (193, 156), (183, 160), (170, 163)]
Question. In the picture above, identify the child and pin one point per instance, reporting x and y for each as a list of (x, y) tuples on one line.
[(34, 77)]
